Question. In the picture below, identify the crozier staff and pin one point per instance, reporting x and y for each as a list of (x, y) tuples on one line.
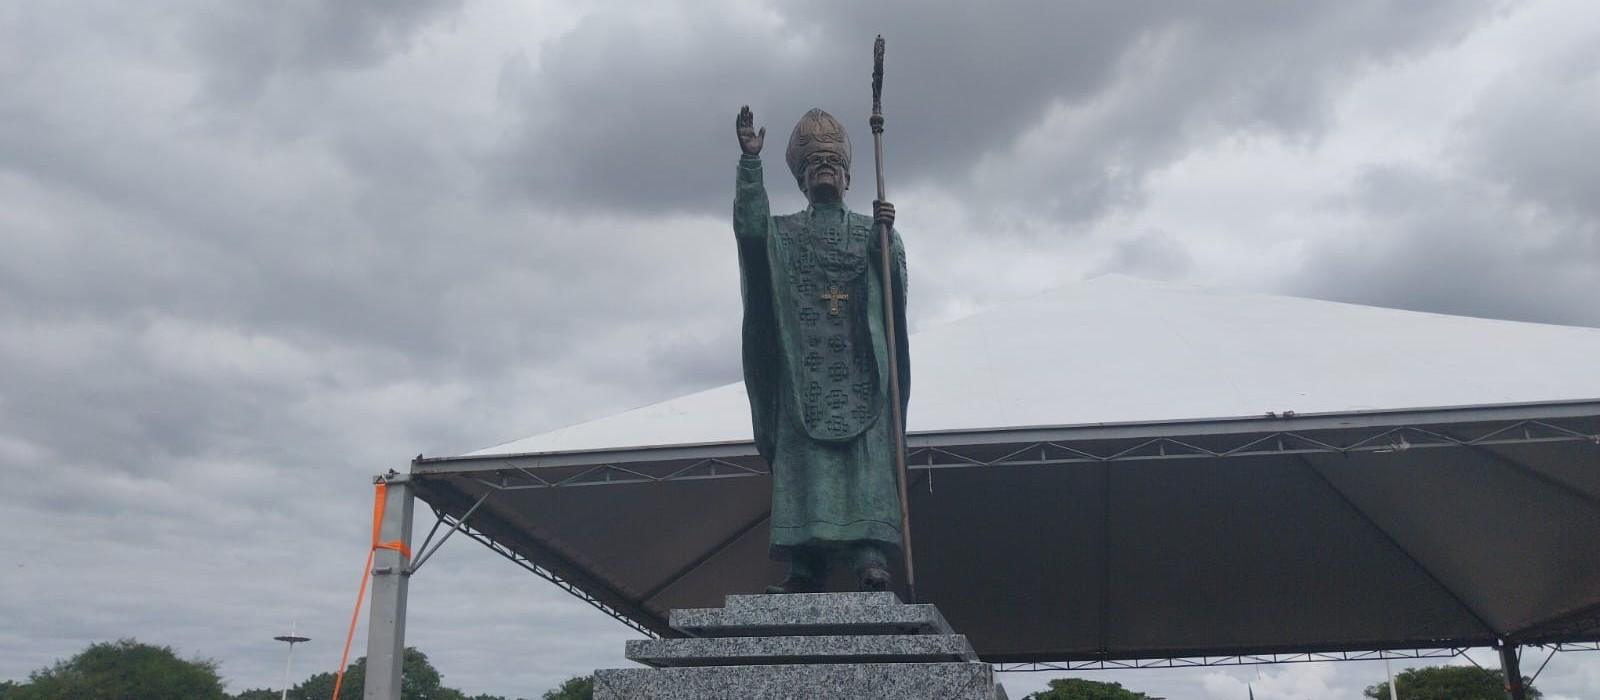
[(817, 358)]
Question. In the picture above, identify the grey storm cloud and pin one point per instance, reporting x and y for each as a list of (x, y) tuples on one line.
[(1513, 232), (1153, 254), (622, 111), (309, 211), (247, 45), (1528, 132), (1437, 244), (253, 253)]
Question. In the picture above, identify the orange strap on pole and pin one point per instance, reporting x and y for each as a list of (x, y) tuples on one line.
[(366, 574)]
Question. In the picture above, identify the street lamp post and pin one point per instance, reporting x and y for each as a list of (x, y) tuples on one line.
[(292, 639)]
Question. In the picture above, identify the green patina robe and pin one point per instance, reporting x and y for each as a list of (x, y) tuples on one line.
[(816, 368)]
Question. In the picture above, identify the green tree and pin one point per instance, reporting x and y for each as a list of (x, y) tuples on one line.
[(124, 670), (1447, 683), (419, 680), (320, 686), (575, 688), (1080, 689), (259, 694)]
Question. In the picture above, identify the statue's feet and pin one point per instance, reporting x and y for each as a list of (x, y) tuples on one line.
[(875, 578), (795, 584)]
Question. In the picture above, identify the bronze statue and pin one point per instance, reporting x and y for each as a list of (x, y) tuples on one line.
[(817, 359)]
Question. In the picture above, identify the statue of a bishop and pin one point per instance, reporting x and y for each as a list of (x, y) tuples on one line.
[(816, 359)]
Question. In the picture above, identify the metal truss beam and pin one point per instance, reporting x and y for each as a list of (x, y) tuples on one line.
[(1263, 659), (1582, 413), (515, 474), (1380, 440), (513, 477), (537, 570), (1237, 660)]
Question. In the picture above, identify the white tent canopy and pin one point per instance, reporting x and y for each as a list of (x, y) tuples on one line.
[(1120, 350), (1124, 469)]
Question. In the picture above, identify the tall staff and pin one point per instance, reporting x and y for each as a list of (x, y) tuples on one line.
[(897, 424)]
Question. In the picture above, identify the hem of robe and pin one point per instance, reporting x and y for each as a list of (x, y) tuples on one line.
[(831, 536)]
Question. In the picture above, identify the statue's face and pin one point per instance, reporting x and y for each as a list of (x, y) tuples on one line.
[(824, 176)]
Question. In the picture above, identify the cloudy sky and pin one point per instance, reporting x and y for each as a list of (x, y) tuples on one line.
[(252, 253)]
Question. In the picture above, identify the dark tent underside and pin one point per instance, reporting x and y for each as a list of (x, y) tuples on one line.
[(1337, 535)]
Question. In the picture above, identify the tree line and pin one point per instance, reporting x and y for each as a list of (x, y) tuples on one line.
[(131, 670), (128, 669)]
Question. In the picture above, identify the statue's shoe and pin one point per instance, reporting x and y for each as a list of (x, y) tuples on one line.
[(794, 584), (875, 578)]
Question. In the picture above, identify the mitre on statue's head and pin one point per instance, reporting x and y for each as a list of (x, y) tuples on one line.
[(817, 131)]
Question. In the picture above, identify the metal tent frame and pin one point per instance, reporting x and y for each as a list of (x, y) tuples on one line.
[(486, 499)]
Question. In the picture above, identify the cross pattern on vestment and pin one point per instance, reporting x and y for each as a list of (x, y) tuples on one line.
[(833, 297)]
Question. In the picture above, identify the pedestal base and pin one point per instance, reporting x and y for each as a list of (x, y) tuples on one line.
[(841, 646)]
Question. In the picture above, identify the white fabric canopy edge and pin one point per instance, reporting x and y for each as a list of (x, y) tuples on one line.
[(1115, 351)]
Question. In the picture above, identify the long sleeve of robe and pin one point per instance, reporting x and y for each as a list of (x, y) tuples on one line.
[(816, 369)]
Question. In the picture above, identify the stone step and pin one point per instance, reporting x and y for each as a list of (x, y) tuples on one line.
[(828, 649), (810, 614), (893, 681), (842, 602)]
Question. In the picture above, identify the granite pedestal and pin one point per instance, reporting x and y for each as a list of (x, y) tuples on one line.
[(809, 645)]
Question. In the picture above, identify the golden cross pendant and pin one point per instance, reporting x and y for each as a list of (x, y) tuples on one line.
[(833, 297)]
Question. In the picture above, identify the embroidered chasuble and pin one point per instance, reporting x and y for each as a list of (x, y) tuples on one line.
[(816, 367)]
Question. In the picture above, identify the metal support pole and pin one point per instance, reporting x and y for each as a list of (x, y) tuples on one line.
[(386, 628), (1394, 693), (1513, 669), (288, 663)]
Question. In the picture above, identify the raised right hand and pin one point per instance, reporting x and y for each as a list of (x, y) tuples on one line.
[(750, 140)]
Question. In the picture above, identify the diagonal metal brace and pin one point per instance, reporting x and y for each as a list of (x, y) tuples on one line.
[(424, 553)]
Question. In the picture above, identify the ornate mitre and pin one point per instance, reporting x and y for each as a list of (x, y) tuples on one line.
[(817, 131)]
